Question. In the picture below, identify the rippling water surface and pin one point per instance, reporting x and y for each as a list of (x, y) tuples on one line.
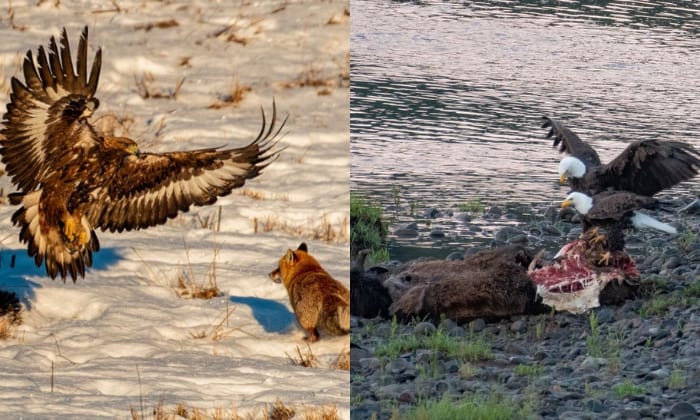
[(446, 98)]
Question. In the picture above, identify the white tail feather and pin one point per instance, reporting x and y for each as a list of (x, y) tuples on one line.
[(641, 221)]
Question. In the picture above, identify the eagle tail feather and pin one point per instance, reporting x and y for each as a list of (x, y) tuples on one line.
[(641, 221), (50, 247)]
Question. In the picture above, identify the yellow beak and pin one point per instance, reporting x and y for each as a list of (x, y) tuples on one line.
[(566, 203), (562, 179), (132, 149)]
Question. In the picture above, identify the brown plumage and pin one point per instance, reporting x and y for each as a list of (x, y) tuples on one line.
[(645, 167), (73, 179)]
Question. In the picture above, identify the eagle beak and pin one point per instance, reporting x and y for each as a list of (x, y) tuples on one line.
[(562, 179), (133, 149), (566, 203)]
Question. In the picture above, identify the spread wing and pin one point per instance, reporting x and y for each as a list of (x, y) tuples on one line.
[(649, 166), (150, 188), (52, 100), (570, 143)]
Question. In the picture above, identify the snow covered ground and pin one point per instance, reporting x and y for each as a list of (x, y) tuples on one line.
[(121, 337)]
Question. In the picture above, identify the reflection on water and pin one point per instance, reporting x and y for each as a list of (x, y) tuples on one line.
[(446, 98)]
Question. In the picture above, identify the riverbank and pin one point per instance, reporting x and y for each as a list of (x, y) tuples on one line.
[(635, 360)]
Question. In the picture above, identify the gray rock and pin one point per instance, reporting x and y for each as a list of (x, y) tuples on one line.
[(406, 230), (519, 326), (437, 233), (683, 410), (477, 325), (424, 328)]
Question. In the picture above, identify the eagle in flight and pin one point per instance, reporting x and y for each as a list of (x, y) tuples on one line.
[(73, 179)]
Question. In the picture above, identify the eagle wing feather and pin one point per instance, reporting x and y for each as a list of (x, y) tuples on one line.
[(150, 188), (33, 133), (570, 143), (649, 166)]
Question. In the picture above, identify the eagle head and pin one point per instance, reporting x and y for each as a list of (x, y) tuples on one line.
[(122, 143)]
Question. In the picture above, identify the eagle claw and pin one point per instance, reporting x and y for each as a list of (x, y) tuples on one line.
[(605, 259), (74, 239)]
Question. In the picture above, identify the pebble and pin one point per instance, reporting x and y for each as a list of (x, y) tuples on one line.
[(424, 328)]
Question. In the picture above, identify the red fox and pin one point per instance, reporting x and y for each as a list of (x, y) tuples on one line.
[(318, 300)]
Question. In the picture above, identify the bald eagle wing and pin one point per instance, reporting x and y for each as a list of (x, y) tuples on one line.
[(570, 143), (150, 188), (649, 166), (41, 112), (616, 204)]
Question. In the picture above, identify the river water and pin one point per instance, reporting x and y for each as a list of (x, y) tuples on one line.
[(447, 100)]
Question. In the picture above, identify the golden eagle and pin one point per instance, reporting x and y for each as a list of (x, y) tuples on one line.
[(73, 179), (645, 167)]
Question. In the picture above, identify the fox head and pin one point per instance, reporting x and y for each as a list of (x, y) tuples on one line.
[(288, 260)]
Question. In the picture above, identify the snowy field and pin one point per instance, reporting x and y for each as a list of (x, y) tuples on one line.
[(122, 338)]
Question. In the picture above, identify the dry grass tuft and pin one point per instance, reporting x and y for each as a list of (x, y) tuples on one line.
[(328, 412), (342, 362), (146, 91), (276, 411), (211, 221), (260, 195), (311, 76), (113, 125), (325, 230), (239, 32), (279, 411), (10, 314), (188, 288), (161, 24), (337, 19), (186, 285), (11, 18), (233, 97), (185, 62), (218, 331), (305, 359), (324, 81)]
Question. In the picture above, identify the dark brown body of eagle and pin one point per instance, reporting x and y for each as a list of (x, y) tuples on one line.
[(73, 179)]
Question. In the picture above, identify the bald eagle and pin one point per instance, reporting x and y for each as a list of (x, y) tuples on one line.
[(645, 167), (614, 211), (72, 179)]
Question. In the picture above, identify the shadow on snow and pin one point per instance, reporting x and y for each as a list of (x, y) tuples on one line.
[(16, 278), (272, 315)]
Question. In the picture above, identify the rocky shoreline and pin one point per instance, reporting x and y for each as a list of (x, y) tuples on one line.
[(635, 360)]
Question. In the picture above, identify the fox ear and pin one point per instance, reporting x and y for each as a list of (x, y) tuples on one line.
[(290, 257), (303, 247)]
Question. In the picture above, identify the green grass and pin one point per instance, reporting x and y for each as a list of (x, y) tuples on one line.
[(693, 289), (531, 371), (678, 379), (493, 407), (474, 206), (472, 348), (367, 229), (627, 389), (687, 239), (660, 303), (607, 345), (594, 341)]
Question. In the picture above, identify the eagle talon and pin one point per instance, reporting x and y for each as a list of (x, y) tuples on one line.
[(605, 258), (74, 239)]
